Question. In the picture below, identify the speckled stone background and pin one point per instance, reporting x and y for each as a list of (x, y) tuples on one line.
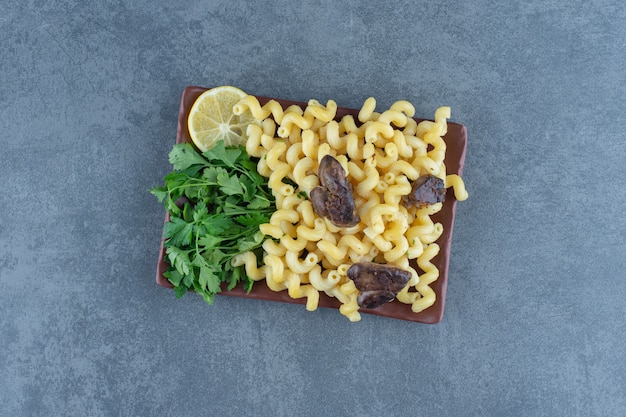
[(535, 317)]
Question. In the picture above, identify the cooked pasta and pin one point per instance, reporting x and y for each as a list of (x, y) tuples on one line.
[(381, 156)]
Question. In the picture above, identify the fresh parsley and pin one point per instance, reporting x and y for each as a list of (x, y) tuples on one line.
[(216, 201)]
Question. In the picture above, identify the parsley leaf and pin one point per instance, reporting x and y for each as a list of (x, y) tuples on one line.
[(251, 242), (227, 155), (178, 232), (216, 201), (184, 157), (258, 202), (253, 218), (229, 185)]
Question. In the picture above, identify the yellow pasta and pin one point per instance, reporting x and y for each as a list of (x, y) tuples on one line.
[(269, 127), (381, 154), (402, 167), (281, 215), (378, 133), (322, 151), (396, 117), (411, 127), (323, 283), (250, 102), (367, 110), (250, 264), (376, 214), (274, 269), (276, 151), (403, 148), (300, 266), (388, 157), (310, 143), (276, 180), (271, 247), (403, 106), (291, 119), (457, 185), (399, 249), (297, 290), (381, 243), (371, 179), (253, 144), (355, 244), (322, 113), (305, 208), (293, 244), (335, 141), (312, 234), (334, 253), (394, 193), (272, 230)]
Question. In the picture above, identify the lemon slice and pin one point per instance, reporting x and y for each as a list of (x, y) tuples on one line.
[(211, 118)]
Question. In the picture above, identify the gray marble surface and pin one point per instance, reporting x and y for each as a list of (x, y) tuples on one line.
[(535, 315)]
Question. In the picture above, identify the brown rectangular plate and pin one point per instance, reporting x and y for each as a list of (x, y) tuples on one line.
[(456, 141)]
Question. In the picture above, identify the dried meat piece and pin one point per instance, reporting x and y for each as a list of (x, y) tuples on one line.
[(374, 299), (425, 190), (333, 198), (377, 283)]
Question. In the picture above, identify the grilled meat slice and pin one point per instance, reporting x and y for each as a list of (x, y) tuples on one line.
[(374, 299), (333, 198), (378, 284), (425, 190)]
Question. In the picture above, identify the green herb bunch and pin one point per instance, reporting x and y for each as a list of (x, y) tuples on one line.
[(216, 201)]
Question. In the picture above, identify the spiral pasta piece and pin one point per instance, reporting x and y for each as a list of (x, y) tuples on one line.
[(272, 107), (249, 261)]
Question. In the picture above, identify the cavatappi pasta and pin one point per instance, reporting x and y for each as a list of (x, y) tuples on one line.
[(381, 153)]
